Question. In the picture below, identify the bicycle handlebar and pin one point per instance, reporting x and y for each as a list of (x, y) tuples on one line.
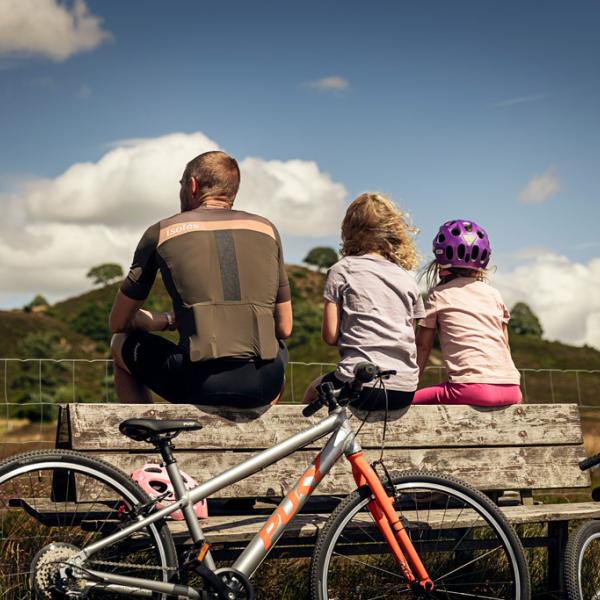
[(364, 372), (590, 462)]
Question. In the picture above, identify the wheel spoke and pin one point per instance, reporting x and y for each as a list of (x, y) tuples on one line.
[(468, 563), (462, 539)]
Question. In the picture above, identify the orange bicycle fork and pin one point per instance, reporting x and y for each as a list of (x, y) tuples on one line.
[(390, 525)]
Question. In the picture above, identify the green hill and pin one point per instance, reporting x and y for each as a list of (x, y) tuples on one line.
[(16, 325), (81, 321)]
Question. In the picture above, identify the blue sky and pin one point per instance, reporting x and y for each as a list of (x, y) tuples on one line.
[(451, 108)]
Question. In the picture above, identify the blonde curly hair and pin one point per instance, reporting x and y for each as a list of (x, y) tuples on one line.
[(374, 224)]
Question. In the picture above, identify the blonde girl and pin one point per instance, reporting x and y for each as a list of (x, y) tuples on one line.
[(371, 302)]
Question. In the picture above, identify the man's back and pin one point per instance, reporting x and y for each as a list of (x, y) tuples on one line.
[(224, 271)]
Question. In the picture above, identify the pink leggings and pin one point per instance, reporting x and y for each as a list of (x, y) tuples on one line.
[(476, 394)]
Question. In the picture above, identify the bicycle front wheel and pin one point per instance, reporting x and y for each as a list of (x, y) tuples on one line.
[(54, 503), (462, 538), (582, 563)]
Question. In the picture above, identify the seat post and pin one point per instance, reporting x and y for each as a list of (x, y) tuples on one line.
[(164, 446)]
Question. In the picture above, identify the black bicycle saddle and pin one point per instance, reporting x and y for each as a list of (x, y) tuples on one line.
[(142, 430)]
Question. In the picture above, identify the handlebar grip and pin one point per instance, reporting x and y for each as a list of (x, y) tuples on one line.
[(365, 372), (590, 462), (310, 409)]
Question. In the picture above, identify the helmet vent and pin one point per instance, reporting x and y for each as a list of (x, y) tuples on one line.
[(449, 252), (468, 226), (455, 231), (159, 486), (441, 238), (461, 251), (484, 255), (475, 253), (480, 234)]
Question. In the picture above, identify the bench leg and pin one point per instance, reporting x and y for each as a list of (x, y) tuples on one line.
[(558, 532)]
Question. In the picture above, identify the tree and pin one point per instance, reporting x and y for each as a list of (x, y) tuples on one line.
[(105, 274), (92, 321), (39, 303), (523, 321), (322, 257)]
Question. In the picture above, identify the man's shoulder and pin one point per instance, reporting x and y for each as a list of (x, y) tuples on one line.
[(212, 220)]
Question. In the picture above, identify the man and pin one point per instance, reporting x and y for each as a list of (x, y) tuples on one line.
[(224, 271)]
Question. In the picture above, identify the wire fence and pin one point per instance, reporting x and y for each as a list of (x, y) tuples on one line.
[(33, 388)]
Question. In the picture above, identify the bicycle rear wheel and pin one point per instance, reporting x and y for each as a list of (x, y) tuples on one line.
[(464, 541), (582, 563), (54, 503)]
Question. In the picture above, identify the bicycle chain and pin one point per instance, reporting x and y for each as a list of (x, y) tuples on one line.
[(109, 563)]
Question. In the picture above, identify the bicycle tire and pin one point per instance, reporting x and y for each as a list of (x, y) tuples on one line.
[(376, 579), (582, 563), (68, 498)]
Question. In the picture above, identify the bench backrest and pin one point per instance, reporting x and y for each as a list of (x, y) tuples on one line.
[(535, 446)]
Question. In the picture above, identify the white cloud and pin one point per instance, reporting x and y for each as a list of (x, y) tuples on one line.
[(564, 294), (49, 28), (518, 100), (54, 230), (540, 187), (333, 83)]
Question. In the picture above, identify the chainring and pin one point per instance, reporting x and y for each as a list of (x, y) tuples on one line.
[(238, 584)]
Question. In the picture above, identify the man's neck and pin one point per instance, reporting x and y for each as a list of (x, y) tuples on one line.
[(209, 202)]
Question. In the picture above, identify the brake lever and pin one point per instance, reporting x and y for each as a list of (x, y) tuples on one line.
[(387, 374)]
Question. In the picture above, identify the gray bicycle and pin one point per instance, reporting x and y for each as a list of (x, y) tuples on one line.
[(73, 527)]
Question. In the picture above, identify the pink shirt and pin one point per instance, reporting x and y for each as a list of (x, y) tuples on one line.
[(469, 316)]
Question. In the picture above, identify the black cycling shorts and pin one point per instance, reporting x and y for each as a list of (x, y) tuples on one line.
[(162, 366), (374, 398)]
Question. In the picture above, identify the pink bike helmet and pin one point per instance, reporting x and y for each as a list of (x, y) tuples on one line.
[(154, 480), (462, 243)]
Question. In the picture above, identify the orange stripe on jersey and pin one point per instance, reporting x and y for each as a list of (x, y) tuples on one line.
[(168, 232)]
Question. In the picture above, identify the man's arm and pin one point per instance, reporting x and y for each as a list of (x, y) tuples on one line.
[(330, 329), (425, 337), (127, 315), (283, 320)]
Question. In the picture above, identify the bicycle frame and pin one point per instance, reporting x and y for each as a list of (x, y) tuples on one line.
[(341, 442)]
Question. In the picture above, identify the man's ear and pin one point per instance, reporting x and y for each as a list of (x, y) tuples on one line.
[(194, 186)]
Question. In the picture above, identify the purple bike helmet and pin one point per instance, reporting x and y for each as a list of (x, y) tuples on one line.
[(462, 243)]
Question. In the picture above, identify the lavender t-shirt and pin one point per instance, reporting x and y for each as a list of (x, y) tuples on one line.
[(378, 301)]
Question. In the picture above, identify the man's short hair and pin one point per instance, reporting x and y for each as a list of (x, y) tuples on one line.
[(216, 173)]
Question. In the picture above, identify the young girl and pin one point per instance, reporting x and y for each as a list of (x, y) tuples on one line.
[(372, 302), (471, 321)]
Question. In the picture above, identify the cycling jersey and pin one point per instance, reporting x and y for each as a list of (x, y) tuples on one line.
[(224, 271)]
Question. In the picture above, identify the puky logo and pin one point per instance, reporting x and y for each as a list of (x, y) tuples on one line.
[(289, 506)]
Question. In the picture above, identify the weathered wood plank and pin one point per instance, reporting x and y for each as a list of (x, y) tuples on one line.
[(241, 528), (485, 468), (95, 426), (244, 528)]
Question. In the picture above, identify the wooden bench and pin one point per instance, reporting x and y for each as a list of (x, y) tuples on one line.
[(531, 449)]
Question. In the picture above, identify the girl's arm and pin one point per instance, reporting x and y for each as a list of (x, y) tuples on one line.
[(331, 323), (424, 340)]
